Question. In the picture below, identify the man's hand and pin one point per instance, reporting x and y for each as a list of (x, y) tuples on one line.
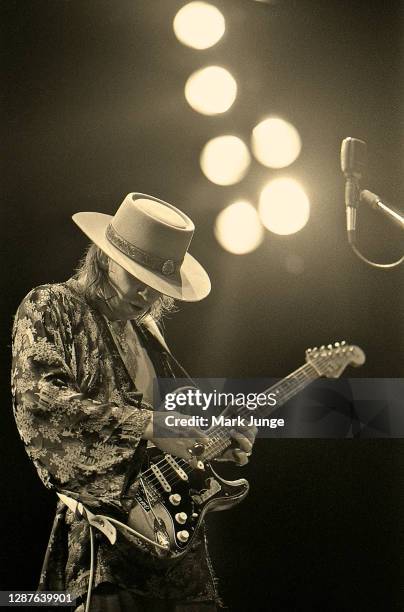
[(243, 440), (174, 440), (179, 440)]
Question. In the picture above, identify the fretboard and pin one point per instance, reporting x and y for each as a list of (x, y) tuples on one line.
[(220, 438)]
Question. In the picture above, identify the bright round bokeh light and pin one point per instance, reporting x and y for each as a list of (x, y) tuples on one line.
[(225, 160), (211, 90), (276, 143), (284, 207), (238, 228), (199, 25)]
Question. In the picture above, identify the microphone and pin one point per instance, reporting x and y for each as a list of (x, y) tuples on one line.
[(353, 163)]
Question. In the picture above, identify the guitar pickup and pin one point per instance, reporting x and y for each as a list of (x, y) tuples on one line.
[(160, 477), (177, 468)]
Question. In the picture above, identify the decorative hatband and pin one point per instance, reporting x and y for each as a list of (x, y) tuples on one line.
[(165, 266)]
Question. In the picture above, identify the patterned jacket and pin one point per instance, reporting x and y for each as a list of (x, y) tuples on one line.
[(81, 420)]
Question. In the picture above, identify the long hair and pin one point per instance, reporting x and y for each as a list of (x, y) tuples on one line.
[(92, 272)]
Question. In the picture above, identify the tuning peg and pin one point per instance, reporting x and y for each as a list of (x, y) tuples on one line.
[(322, 347), (308, 351), (329, 346), (336, 344), (314, 349), (343, 343)]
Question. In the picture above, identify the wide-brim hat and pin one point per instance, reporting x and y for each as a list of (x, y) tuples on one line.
[(150, 238)]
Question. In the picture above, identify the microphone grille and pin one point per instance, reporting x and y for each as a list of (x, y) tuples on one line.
[(353, 157)]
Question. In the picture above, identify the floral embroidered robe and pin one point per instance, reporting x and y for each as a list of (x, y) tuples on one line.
[(81, 420)]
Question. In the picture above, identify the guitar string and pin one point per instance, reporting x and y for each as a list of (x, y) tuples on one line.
[(219, 442), (223, 439), (219, 439)]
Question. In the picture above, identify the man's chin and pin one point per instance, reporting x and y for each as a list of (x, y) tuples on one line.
[(137, 313), (127, 315)]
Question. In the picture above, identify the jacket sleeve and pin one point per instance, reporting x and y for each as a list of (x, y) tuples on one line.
[(69, 436)]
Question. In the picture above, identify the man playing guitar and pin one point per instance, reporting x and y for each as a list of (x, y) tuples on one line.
[(85, 355)]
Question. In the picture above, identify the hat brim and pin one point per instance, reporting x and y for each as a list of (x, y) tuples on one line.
[(190, 284)]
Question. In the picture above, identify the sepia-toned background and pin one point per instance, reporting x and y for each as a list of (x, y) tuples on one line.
[(93, 109)]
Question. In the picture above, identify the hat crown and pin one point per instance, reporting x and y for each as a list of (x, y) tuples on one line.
[(161, 211), (154, 227)]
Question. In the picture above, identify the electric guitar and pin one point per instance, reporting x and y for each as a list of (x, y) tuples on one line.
[(172, 497)]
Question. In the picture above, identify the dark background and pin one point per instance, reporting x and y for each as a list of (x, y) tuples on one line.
[(94, 109)]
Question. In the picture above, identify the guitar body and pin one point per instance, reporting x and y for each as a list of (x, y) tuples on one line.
[(172, 517)]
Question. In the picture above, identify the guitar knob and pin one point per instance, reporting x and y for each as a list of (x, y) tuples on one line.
[(175, 499), (181, 518), (183, 536)]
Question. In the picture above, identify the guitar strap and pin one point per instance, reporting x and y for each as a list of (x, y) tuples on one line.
[(130, 363), (151, 335), (153, 329)]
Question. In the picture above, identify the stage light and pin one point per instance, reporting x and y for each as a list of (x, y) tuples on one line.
[(199, 25), (238, 228), (284, 208), (275, 143), (211, 90), (225, 160)]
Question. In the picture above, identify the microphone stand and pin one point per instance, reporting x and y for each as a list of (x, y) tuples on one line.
[(353, 162), (375, 202), (396, 217)]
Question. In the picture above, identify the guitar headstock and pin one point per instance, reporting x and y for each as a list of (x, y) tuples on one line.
[(331, 360)]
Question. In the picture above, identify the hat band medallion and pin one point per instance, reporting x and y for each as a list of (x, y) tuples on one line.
[(167, 267)]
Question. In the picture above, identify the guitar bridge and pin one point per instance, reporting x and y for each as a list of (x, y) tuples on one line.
[(160, 533)]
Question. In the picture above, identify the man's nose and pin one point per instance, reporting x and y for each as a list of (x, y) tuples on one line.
[(146, 292)]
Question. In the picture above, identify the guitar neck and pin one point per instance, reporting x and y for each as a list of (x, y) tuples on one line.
[(328, 361), (220, 438)]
